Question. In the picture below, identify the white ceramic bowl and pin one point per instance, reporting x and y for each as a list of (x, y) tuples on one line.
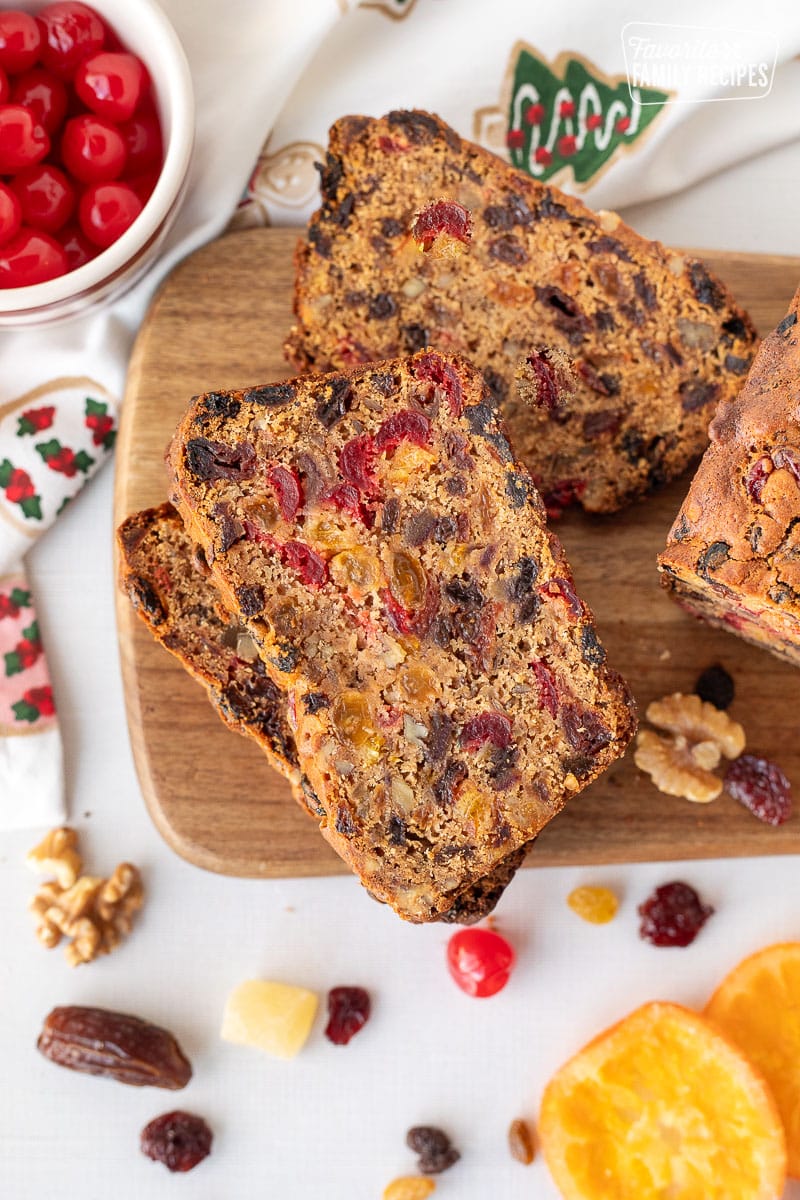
[(145, 30)]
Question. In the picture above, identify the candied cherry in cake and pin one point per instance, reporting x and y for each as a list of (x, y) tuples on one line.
[(480, 961)]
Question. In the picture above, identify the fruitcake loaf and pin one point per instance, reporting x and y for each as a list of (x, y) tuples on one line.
[(424, 239), (167, 580), (390, 557), (733, 554)]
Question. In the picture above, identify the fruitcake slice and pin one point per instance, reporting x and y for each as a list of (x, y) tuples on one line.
[(167, 580), (424, 239), (733, 554), (391, 559)]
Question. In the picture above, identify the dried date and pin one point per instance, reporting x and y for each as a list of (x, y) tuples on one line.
[(97, 1041)]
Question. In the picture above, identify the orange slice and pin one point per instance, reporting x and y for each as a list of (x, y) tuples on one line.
[(662, 1107), (758, 1007)]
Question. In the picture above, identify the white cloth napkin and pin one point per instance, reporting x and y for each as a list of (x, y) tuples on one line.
[(545, 87)]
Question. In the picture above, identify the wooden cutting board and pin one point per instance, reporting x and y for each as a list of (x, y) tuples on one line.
[(219, 322)]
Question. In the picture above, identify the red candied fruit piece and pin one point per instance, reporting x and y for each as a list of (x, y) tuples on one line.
[(44, 94), (20, 41), (287, 488), (347, 498), (312, 569), (757, 477), (70, 32), (548, 692), (442, 216), (494, 727), (562, 495), (673, 915), (403, 426), (179, 1140), (434, 369), (562, 589), (399, 617), (355, 463), (348, 1012), (762, 787), (547, 392)]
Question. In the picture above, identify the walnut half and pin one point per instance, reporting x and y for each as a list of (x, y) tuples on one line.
[(682, 765)]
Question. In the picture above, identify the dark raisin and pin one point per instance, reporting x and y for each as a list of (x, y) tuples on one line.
[(584, 730), (330, 176), (419, 527), (384, 382), (314, 701), (762, 787), (609, 245), (697, 394), (440, 734), (785, 325), (446, 530), (251, 599), (391, 227), (320, 240), (480, 417), (382, 306), (344, 822), (498, 216), (736, 327), (340, 215), (595, 424), (287, 657), (632, 445), (418, 127), (221, 404), (446, 788), (508, 249), (348, 1012), (502, 761), (715, 686), (713, 558), (145, 597), (456, 485), (528, 609), (591, 650), (605, 384), (209, 461), (527, 574), (706, 289), (179, 1140), (397, 831), (681, 530), (336, 402), (354, 299), (433, 1147), (645, 290), (548, 207), (465, 593), (274, 396), (673, 915), (496, 384), (390, 515), (736, 365), (520, 489), (604, 319), (415, 337), (231, 529), (569, 318)]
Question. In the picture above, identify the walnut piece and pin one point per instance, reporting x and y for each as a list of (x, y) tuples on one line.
[(698, 722), (57, 854), (673, 766), (94, 914)]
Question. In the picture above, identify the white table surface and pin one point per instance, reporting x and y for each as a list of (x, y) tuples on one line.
[(331, 1123)]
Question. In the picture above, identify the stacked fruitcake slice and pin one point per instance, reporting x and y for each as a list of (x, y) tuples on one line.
[(424, 239), (167, 580), (733, 555), (389, 556)]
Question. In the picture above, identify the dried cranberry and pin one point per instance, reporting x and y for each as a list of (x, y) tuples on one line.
[(355, 463), (179, 1140), (433, 1147), (547, 392), (443, 216), (673, 915), (762, 787), (548, 692), (563, 493), (348, 1011), (757, 477), (715, 686), (432, 367), (493, 727), (312, 569), (562, 589), (347, 498), (583, 729), (287, 488), (406, 425)]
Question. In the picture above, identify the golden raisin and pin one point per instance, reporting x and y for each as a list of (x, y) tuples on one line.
[(326, 534), (407, 459), (352, 720), (598, 905), (409, 1187), (356, 570), (418, 682), (520, 1142), (407, 581)]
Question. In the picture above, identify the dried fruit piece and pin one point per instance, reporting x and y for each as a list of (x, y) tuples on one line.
[(356, 463), (762, 787), (356, 570), (673, 915), (406, 425), (287, 489), (179, 1140), (312, 569), (715, 686), (598, 905), (547, 697), (662, 1105), (672, 765), (480, 961), (493, 727), (444, 226), (352, 720), (409, 1187), (274, 1017), (433, 1147), (348, 1012), (407, 581), (756, 1006), (697, 721), (520, 1142), (97, 1041)]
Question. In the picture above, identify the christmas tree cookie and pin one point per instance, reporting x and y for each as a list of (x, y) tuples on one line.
[(424, 239), (733, 555)]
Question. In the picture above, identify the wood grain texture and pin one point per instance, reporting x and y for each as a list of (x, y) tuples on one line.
[(219, 322)]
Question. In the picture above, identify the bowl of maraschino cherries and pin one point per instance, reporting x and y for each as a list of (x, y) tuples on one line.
[(96, 132)]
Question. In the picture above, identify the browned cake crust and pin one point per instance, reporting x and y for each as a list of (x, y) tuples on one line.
[(733, 555), (390, 557), (658, 341), (167, 580)]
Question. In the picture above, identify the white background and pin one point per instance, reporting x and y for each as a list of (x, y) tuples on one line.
[(331, 1124)]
